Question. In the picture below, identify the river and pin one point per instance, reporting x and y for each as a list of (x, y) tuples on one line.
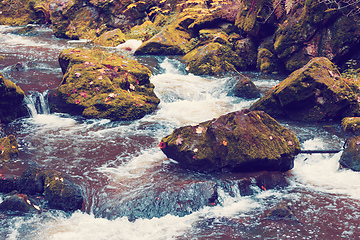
[(125, 177)]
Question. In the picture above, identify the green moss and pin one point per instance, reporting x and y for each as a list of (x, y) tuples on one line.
[(351, 124), (8, 148), (99, 84), (17, 13)]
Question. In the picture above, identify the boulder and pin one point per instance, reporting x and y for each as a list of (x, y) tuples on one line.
[(247, 52), (239, 141), (211, 59), (245, 88), (350, 158), (11, 101), (18, 203), (110, 38), (17, 13), (351, 125), (267, 62), (8, 148), (316, 92), (100, 84), (9, 183)]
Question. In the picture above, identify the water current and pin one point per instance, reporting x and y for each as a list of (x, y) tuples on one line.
[(119, 163)]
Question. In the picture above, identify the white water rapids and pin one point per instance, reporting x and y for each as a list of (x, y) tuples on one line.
[(115, 160)]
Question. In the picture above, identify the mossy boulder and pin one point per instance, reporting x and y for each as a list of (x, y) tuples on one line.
[(350, 158), (100, 84), (58, 190), (110, 38), (267, 62), (17, 13), (247, 52), (11, 101), (239, 141), (211, 59), (8, 148), (351, 125), (245, 88), (316, 92)]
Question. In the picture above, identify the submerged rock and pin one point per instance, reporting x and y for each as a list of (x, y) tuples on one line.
[(99, 84), (8, 148), (239, 141), (315, 92), (283, 212), (350, 158), (11, 101)]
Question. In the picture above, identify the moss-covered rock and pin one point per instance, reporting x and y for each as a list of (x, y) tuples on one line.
[(110, 38), (245, 88), (351, 124), (350, 158), (267, 62), (143, 32), (247, 52), (211, 59), (99, 84), (17, 13), (11, 101), (240, 141), (313, 93), (8, 148)]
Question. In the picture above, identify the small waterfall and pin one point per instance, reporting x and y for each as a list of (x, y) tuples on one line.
[(37, 103)]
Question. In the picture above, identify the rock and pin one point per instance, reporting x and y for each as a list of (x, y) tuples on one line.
[(211, 59), (99, 84), (23, 66), (11, 101), (32, 181), (177, 200), (172, 40), (240, 141), (247, 52), (316, 92), (351, 124), (16, 13), (27, 31), (350, 158), (18, 203), (9, 183), (283, 212), (61, 193), (8, 148), (110, 38), (267, 62), (245, 88)]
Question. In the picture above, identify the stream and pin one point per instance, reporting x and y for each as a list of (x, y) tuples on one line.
[(133, 191)]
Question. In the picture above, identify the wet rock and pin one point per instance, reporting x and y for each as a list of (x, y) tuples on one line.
[(11, 101), (9, 183), (99, 84), (245, 88), (283, 212), (27, 31), (61, 193), (270, 180), (32, 181), (177, 200), (315, 92), (240, 141), (350, 158), (8, 148), (211, 59), (18, 203), (110, 38), (23, 66), (247, 52), (351, 125)]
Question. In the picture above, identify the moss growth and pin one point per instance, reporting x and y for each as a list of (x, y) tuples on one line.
[(351, 124), (17, 13), (312, 93), (110, 38), (99, 84), (211, 59), (244, 141), (8, 148), (266, 61)]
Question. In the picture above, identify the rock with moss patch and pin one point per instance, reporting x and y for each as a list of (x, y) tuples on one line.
[(17, 13), (11, 101), (239, 141), (245, 88), (267, 62), (316, 92), (350, 158), (100, 84), (247, 52), (351, 125), (110, 38), (211, 59), (8, 148)]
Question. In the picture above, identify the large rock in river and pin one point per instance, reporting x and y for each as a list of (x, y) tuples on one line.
[(99, 84), (350, 157), (11, 101), (313, 93), (240, 141)]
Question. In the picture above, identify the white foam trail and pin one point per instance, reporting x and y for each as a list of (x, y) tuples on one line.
[(131, 44), (321, 171)]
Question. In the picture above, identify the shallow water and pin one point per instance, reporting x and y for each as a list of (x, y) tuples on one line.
[(119, 162)]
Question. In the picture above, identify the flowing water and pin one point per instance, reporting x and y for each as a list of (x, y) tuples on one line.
[(133, 191)]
